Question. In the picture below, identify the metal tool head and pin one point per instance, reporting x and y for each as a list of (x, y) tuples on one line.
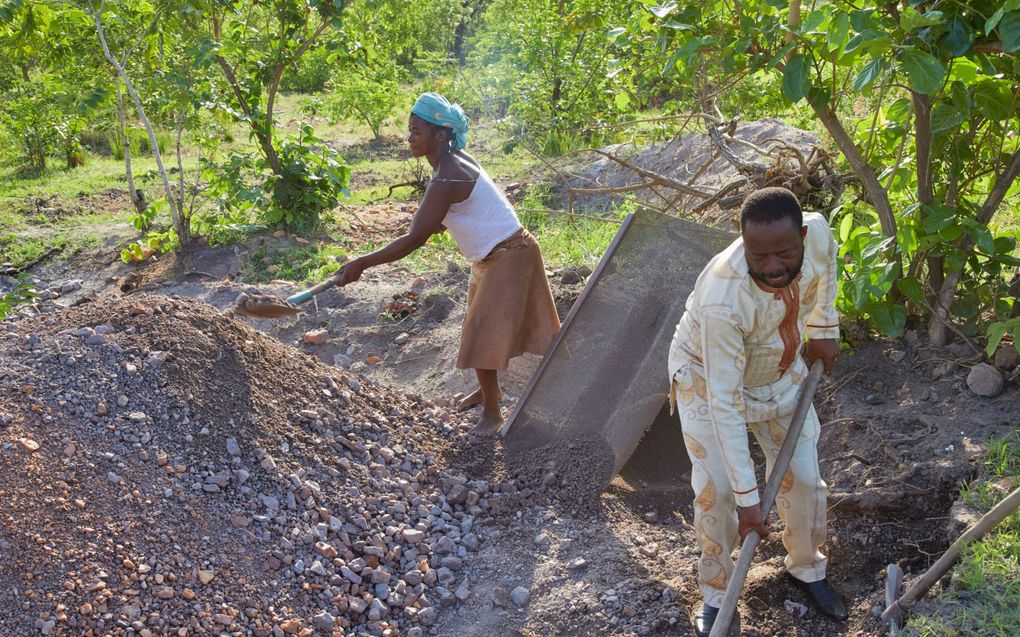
[(267, 306)]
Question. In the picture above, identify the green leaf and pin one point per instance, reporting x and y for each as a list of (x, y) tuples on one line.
[(871, 71), (615, 33), (1004, 245), (994, 335), (818, 97), (964, 70), (994, 19), (993, 98), (899, 110), (957, 39), (663, 9), (911, 19), (1009, 31), (889, 318), (946, 117), (622, 100), (924, 71), (911, 288), (845, 225), (836, 35), (797, 78), (813, 20), (984, 239)]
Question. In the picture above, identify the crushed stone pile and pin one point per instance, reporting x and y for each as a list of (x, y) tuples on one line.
[(166, 470)]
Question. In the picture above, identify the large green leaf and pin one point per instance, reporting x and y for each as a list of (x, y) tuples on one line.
[(924, 71), (993, 98), (964, 70), (946, 117), (957, 39), (911, 288), (899, 110), (836, 35), (911, 19), (890, 318), (1009, 31), (797, 78), (871, 71)]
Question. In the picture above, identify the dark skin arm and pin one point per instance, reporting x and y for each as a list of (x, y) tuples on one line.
[(427, 221), (826, 349)]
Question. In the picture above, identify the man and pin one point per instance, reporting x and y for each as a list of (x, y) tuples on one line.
[(734, 365)]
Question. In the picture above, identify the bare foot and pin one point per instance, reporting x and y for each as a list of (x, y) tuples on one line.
[(467, 402), (488, 424)]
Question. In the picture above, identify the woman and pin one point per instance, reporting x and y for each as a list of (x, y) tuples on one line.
[(510, 307)]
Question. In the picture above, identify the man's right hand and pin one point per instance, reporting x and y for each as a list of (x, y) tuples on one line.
[(750, 518)]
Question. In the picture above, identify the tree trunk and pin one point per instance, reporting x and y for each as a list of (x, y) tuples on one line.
[(136, 197), (938, 332), (877, 195), (175, 212)]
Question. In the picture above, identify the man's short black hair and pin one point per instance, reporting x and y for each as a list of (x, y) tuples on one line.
[(769, 205)]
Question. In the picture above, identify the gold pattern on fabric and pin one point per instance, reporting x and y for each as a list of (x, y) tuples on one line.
[(696, 448), (787, 483), (706, 499)]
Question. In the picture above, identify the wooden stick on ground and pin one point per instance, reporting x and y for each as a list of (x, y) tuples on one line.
[(736, 583), (988, 521)]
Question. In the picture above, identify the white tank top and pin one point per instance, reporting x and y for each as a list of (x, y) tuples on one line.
[(483, 220)]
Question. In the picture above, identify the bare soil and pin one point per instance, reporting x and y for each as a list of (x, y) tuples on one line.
[(900, 434)]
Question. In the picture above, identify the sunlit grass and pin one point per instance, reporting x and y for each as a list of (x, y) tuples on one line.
[(984, 596)]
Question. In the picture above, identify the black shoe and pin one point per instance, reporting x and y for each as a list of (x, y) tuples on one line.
[(704, 619), (827, 601)]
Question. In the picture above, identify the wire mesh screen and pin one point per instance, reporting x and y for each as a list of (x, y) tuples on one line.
[(605, 375)]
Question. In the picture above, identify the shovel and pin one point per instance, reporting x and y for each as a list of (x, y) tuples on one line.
[(270, 306), (721, 626)]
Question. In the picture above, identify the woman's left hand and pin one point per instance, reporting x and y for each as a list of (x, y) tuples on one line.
[(349, 272)]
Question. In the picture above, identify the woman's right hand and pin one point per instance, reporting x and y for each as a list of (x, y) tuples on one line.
[(349, 272)]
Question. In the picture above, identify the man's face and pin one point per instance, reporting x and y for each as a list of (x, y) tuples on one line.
[(774, 251)]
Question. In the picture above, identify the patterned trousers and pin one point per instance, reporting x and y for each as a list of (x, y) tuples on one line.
[(802, 495)]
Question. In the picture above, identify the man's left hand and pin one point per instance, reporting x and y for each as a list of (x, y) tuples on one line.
[(826, 349)]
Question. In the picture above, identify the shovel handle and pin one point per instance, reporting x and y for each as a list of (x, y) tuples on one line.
[(743, 565), (302, 297)]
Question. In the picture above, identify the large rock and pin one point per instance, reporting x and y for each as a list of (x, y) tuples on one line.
[(985, 380)]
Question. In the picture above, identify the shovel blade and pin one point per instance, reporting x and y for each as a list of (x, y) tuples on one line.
[(266, 306)]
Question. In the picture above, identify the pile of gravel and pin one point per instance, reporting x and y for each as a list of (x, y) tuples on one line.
[(167, 470)]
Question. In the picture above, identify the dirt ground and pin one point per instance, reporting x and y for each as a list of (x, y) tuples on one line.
[(901, 433)]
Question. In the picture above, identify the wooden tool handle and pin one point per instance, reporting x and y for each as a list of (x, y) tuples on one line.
[(768, 498), (302, 297)]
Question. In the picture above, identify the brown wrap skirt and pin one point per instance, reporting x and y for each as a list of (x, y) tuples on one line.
[(510, 308)]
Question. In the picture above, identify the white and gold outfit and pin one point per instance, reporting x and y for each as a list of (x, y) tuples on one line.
[(734, 365)]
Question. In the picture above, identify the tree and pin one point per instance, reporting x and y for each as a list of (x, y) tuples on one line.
[(550, 62), (921, 99)]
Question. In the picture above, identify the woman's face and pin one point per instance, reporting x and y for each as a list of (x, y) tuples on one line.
[(421, 137)]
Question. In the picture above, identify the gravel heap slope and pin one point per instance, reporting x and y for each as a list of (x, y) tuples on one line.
[(168, 470)]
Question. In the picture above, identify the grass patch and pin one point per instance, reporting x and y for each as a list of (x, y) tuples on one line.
[(20, 250), (984, 596), (310, 263)]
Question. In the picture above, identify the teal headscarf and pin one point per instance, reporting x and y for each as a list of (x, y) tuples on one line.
[(433, 107)]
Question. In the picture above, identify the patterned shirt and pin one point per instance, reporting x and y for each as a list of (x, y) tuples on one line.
[(742, 339)]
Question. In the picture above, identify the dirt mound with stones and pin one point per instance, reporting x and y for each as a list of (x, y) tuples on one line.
[(167, 470)]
